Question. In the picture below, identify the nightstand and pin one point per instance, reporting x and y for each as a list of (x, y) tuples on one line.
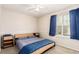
[(7, 41), (36, 35)]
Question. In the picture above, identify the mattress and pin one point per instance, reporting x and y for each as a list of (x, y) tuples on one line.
[(31, 43)]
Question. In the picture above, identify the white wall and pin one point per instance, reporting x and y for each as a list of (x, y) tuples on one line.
[(0, 26), (44, 25), (15, 22)]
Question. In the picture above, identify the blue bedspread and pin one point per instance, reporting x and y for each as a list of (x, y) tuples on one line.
[(34, 46)]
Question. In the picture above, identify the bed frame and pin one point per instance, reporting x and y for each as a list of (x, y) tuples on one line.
[(23, 35), (39, 51)]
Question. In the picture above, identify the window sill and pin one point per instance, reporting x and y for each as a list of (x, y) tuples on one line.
[(62, 36)]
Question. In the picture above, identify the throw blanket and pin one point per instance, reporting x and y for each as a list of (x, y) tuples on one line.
[(34, 46)]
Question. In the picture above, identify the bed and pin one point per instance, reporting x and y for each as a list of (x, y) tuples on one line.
[(28, 44)]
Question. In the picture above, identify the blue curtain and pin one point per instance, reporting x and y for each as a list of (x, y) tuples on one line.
[(52, 31), (74, 24)]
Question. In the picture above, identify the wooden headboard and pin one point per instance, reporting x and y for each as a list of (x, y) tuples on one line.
[(23, 35)]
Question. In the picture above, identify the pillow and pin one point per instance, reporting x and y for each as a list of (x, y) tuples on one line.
[(26, 37), (31, 37), (22, 38)]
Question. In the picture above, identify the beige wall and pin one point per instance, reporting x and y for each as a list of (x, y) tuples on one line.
[(44, 24), (0, 17), (15, 22)]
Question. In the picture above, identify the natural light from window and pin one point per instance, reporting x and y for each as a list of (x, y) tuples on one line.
[(63, 25)]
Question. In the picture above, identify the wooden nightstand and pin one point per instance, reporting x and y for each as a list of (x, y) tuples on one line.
[(7, 41)]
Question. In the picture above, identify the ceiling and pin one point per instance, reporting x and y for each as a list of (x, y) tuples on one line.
[(37, 10)]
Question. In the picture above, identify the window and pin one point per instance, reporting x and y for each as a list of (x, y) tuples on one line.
[(59, 25), (63, 25), (66, 25)]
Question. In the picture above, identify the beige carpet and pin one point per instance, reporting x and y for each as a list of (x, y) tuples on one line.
[(56, 50)]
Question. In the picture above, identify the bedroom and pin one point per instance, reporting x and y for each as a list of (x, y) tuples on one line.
[(22, 19)]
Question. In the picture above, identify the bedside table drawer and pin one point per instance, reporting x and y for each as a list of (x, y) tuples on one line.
[(6, 46), (7, 38), (8, 42)]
